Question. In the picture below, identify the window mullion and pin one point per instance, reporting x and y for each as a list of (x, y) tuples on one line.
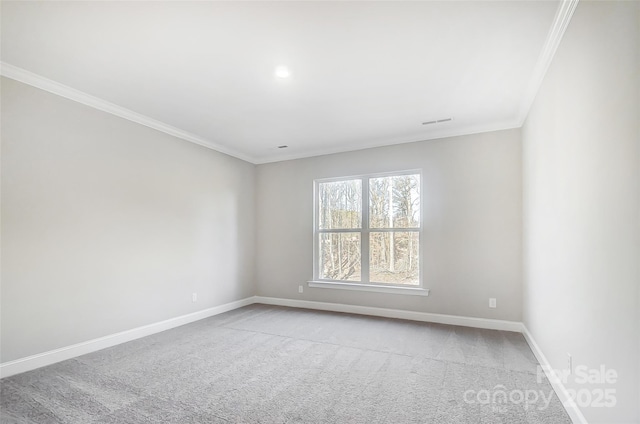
[(364, 238), (339, 230), (395, 230), (316, 232)]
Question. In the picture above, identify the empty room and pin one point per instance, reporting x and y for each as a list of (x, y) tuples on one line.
[(320, 212)]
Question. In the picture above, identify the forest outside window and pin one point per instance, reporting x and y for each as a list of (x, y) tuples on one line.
[(367, 230)]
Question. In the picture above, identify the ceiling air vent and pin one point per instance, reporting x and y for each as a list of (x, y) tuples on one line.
[(437, 121)]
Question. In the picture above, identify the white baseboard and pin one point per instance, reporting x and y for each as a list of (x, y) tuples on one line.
[(572, 409), (490, 324), (51, 357)]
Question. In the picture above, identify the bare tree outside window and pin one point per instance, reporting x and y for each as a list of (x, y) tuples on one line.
[(340, 209)]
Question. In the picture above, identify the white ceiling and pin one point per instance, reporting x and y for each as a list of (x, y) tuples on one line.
[(363, 73)]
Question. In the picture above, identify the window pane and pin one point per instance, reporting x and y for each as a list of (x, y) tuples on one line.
[(394, 202), (340, 204), (340, 256), (393, 258)]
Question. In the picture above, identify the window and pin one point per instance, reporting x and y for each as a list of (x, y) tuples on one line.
[(367, 231)]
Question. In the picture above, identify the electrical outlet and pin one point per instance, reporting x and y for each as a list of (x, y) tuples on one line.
[(570, 363), (492, 302), (194, 297), (300, 289)]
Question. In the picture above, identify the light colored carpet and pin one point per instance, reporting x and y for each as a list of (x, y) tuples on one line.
[(265, 364)]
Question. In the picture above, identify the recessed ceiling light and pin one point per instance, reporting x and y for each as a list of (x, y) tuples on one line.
[(282, 72)]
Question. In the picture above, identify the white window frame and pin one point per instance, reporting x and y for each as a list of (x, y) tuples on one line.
[(365, 284)]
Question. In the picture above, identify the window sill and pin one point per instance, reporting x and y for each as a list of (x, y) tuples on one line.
[(413, 291)]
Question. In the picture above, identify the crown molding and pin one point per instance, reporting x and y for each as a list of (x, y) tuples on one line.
[(13, 72), (558, 28), (436, 135), (560, 23)]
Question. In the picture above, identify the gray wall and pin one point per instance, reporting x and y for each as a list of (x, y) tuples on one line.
[(472, 224), (582, 203), (108, 225)]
